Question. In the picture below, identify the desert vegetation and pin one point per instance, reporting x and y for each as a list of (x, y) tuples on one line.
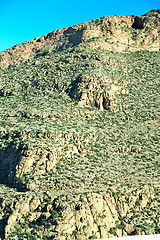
[(79, 144)]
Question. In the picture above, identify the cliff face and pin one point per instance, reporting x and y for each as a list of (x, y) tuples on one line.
[(115, 33), (89, 216)]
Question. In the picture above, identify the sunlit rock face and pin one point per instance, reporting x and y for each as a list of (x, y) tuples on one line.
[(115, 33)]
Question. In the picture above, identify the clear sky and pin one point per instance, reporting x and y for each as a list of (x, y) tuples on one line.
[(22, 20)]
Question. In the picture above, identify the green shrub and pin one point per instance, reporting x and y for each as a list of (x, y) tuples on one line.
[(54, 215)]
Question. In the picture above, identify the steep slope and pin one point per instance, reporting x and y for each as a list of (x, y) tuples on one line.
[(115, 33), (79, 142)]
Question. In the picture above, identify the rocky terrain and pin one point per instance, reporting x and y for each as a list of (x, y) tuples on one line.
[(114, 33), (79, 132)]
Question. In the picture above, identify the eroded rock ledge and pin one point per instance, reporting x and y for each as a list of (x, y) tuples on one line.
[(115, 33), (76, 216)]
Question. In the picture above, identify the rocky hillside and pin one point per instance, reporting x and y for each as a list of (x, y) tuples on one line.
[(79, 132), (114, 33)]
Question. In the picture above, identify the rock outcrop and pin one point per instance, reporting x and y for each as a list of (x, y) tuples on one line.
[(115, 33), (96, 90), (89, 216)]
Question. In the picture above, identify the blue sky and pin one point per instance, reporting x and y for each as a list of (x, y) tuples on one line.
[(22, 20)]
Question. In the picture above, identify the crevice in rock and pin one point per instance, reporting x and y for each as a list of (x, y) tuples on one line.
[(99, 229), (10, 158), (3, 222), (138, 23), (108, 205), (105, 103), (116, 206)]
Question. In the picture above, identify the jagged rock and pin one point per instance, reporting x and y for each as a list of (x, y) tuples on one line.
[(116, 33), (95, 92), (94, 216)]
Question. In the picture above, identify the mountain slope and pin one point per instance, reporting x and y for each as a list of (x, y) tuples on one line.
[(79, 143), (115, 33)]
